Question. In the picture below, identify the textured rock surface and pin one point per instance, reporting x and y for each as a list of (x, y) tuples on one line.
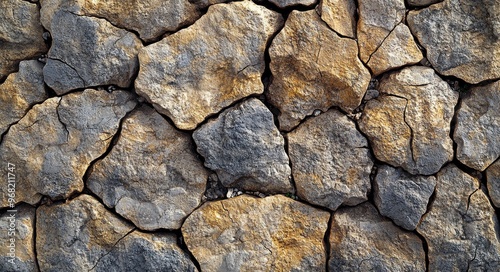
[(245, 149), (152, 175), (57, 140), (362, 240), (291, 3), (461, 37), (477, 132), (249, 234), (331, 162), (409, 126), (493, 178), (190, 75), (401, 196), (469, 241), (313, 68), (339, 15)]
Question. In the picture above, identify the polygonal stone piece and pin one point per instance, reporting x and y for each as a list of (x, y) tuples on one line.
[(339, 15)]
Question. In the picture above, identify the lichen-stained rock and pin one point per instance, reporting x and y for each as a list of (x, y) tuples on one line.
[(339, 15), (245, 233), (18, 254), (331, 162), (422, 3), (89, 52), (218, 60), (363, 240), (461, 37), (409, 125), (152, 175), (53, 145), (20, 92), (292, 3), (313, 68), (20, 34), (493, 178), (477, 131), (401, 196), (460, 228), (245, 149)]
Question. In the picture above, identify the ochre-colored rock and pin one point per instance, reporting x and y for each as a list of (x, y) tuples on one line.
[(339, 15)]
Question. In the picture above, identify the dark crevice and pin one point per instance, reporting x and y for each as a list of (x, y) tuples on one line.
[(184, 247), (326, 241), (111, 249), (37, 264), (287, 151), (426, 249), (71, 67), (286, 10), (61, 121)]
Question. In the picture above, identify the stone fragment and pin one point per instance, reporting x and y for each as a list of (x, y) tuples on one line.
[(20, 92), (477, 131), (409, 124), (339, 15), (461, 37), (245, 149), (292, 3), (460, 228), (313, 68), (493, 178), (331, 161), (363, 240), (56, 141), (245, 233), (422, 3), (152, 175), (401, 196), (218, 60)]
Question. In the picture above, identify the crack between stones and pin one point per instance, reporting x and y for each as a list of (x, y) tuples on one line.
[(468, 200), (60, 121), (111, 249), (34, 242), (425, 246), (408, 125), (469, 262), (385, 38), (71, 67)]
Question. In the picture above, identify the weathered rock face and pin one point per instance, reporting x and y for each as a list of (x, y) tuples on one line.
[(401, 196), (313, 68), (339, 15), (461, 38), (469, 240), (161, 180), (190, 75), (409, 125), (477, 132), (331, 161), (292, 3), (362, 240), (493, 178), (57, 140), (245, 149), (248, 234)]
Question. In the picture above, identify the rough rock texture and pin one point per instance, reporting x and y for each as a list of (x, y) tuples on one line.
[(362, 240), (20, 34), (291, 3), (190, 75), (409, 125), (493, 178), (152, 175), (331, 162), (422, 3), (313, 68), (57, 140), (461, 37), (469, 241), (244, 233), (401, 196), (339, 15), (477, 132), (245, 149), (20, 92)]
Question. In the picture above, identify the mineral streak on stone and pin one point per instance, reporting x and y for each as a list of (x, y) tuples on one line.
[(152, 175), (493, 178), (245, 233), (57, 140), (313, 68), (218, 60), (461, 37), (331, 162), (469, 240), (245, 149), (339, 15)]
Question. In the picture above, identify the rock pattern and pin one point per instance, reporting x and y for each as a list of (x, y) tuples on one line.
[(362, 240), (409, 125), (190, 75), (470, 240), (245, 233), (160, 182), (313, 68), (331, 162), (339, 16), (461, 38), (245, 149), (292, 3), (493, 184)]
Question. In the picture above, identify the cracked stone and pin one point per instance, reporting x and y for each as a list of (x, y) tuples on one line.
[(308, 76), (409, 124), (245, 149), (245, 233), (160, 182), (339, 15), (461, 226), (56, 141), (218, 60), (331, 161), (493, 178)]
